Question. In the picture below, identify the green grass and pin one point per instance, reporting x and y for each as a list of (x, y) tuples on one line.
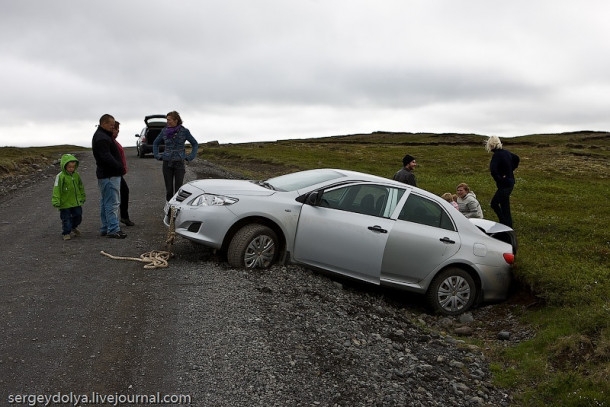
[(561, 216)]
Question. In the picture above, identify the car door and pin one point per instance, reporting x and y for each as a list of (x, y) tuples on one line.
[(347, 232), (423, 238)]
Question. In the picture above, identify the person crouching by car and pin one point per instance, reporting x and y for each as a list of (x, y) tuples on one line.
[(467, 202), (448, 196), (174, 136), (69, 196)]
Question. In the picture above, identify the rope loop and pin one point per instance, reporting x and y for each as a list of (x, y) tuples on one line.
[(155, 258)]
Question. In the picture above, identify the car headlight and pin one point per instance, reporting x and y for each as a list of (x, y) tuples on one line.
[(213, 200)]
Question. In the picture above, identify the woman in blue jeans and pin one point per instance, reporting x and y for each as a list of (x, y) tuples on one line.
[(174, 135), (501, 166)]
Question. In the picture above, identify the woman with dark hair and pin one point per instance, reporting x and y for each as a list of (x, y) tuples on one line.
[(174, 135), (501, 166)]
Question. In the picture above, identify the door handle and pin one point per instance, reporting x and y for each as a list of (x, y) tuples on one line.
[(447, 240), (378, 229)]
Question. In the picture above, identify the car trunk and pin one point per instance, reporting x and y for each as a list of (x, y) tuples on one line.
[(497, 231), (152, 134)]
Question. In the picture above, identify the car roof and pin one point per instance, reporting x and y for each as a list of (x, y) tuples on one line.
[(355, 176)]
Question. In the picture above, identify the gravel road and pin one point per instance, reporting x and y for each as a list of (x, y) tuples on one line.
[(74, 321)]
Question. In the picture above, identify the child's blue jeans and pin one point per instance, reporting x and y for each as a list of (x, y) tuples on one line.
[(70, 219)]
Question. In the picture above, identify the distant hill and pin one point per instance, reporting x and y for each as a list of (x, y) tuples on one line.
[(600, 138)]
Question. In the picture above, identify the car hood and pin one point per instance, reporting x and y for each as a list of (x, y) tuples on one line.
[(489, 226), (230, 187)]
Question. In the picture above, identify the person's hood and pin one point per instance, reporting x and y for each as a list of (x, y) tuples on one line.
[(65, 159), (471, 193)]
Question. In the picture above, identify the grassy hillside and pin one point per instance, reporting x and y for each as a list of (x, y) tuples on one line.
[(560, 214)]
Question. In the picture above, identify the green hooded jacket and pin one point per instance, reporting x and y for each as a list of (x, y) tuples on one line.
[(68, 190)]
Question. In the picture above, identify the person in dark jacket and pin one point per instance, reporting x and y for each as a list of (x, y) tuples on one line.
[(501, 166), (109, 169), (124, 206), (405, 174), (174, 135)]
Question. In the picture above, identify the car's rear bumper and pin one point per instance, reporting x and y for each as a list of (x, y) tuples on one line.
[(495, 282)]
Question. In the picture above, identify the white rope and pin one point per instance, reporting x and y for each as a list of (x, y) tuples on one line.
[(155, 258)]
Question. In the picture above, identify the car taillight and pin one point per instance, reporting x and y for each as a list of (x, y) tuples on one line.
[(144, 139), (509, 258)]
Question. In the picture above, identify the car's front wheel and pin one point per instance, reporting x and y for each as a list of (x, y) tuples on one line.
[(452, 292), (253, 246)]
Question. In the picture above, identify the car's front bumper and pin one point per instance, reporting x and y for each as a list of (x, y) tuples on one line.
[(204, 225)]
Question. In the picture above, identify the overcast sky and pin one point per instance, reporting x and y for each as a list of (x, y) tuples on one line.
[(264, 70)]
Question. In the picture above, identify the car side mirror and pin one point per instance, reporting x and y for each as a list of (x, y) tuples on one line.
[(137, 135), (313, 198)]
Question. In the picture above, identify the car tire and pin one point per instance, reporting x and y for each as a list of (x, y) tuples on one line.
[(452, 292), (141, 153), (253, 246)]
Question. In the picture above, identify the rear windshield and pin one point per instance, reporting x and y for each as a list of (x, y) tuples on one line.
[(303, 179)]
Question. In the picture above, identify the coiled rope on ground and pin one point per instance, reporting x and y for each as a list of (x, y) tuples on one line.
[(155, 258)]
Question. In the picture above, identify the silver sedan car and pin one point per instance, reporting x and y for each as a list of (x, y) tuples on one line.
[(353, 224)]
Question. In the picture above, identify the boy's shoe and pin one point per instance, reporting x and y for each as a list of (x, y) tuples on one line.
[(103, 233), (117, 235), (76, 232), (67, 237), (127, 221)]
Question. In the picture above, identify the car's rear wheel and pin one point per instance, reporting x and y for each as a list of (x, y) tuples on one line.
[(253, 246), (141, 152), (452, 292)]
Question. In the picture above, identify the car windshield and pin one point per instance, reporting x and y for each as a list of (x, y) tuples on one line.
[(302, 179)]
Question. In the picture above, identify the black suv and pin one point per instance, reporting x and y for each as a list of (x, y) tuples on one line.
[(154, 124)]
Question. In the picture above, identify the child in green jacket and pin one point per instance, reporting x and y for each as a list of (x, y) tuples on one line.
[(68, 196)]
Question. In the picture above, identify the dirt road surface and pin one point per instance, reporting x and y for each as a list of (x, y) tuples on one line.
[(72, 319)]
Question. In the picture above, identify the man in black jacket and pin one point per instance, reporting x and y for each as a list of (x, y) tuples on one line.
[(109, 169)]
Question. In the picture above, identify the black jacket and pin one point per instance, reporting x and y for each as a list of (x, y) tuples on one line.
[(107, 156), (501, 166)]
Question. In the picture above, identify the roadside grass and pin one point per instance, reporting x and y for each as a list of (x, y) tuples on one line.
[(16, 160), (561, 216)]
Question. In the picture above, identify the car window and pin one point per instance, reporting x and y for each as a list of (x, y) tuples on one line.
[(368, 199), (426, 212)]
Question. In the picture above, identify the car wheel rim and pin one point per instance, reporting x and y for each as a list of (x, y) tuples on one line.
[(260, 252), (453, 293)]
